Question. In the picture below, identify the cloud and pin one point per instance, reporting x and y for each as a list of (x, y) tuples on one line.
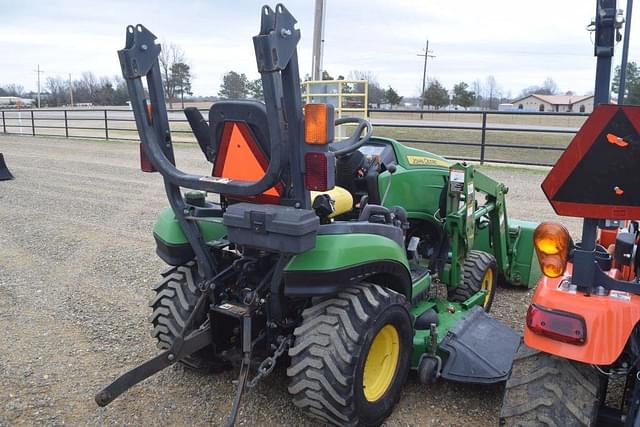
[(520, 43)]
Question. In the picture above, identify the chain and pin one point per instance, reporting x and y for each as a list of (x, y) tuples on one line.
[(267, 365)]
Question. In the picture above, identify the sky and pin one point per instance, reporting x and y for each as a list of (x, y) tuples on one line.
[(519, 42)]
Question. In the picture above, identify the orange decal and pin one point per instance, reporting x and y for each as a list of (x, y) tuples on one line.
[(614, 139), (240, 158)]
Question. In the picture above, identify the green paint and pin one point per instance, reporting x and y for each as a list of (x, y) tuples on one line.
[(525, 270), (344, 250), (421, 285), (449, 314), (168, 229)]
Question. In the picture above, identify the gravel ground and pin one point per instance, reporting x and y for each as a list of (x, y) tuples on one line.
[(76, 266)]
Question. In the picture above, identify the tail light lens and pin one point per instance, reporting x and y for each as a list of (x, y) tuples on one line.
[(319, 171), (558, 325), (318, 124), (145, 163), (552, 242)]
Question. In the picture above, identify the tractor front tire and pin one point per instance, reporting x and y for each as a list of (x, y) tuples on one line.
[(479, 272), (351, 356), (548, 390), (176, 297)]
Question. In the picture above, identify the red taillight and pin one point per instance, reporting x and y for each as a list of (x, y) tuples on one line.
[(145, 163), (316, 176), (557, 325)]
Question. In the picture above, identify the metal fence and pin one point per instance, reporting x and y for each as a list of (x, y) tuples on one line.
[(525, 138)]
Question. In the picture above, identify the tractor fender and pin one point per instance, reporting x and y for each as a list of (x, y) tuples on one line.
[(172, 245), (609, 320), (341, 260)]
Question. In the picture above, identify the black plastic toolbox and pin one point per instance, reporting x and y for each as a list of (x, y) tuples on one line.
[(271, 227)]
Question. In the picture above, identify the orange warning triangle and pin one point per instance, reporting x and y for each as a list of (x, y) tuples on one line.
[(240, 157)]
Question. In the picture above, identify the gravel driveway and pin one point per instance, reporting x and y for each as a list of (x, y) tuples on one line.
[(76, 265)]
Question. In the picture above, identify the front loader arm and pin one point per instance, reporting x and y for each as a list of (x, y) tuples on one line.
[(496, 208)]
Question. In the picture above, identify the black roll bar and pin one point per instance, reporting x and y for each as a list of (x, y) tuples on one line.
[(275, 49)]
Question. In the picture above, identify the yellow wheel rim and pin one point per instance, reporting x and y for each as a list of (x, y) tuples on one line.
[(487, 285), (382, 361)]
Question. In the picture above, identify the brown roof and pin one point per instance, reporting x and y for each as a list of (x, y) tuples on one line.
[(557, 99)]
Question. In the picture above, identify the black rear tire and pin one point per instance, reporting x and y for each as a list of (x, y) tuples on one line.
[(548, 390), (176, 297), (332, 347), (476, 268)]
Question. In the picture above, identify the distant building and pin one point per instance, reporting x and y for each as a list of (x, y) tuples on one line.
[(506, 107), (15, 101), (555, 103)]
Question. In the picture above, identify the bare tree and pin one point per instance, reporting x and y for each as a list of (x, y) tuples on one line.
[(170, 55), (550, 86), (376, 92), (57, 88), (86, 88), (476, 87), (493, 91), (12, 90)]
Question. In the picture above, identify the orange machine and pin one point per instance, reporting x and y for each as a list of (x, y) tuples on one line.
[(581, 335)]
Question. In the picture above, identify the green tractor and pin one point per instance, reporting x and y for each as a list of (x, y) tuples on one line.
[(353, 261)]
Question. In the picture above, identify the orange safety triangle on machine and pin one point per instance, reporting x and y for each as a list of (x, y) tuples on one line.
[(240, 157), (597, 175)]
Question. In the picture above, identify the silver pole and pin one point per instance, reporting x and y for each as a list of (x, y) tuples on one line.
[(625, 53), (318, 40)]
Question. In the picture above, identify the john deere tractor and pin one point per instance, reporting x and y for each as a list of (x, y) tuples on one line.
[(350, 260)]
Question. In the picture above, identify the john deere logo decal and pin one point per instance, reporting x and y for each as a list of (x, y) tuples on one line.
[(426, 161)]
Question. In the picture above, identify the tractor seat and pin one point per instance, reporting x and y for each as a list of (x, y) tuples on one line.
[(341, 200)]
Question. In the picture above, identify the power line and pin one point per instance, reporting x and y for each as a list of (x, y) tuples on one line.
[(427, 54)]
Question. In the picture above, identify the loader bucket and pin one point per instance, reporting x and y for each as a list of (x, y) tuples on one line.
[(5, 175)]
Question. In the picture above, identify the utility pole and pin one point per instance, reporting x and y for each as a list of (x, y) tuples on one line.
[(70, 90), (427, 54), (625, 53), (39, 71), (318, 39)]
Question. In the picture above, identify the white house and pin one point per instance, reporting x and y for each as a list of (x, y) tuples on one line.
[(555, 103)]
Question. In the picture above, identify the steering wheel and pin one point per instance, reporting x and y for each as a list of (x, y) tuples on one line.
[(356, 140)]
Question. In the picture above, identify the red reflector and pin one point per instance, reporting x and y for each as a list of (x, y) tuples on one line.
[(557, 325), (145, 163), (315, 176)]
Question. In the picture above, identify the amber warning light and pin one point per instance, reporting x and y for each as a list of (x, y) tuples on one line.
[(319, 123), (552, 243)]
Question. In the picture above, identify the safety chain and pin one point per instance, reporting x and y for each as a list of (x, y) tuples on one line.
[(267, 365)]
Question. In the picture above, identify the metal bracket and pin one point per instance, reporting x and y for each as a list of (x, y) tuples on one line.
[(194, 342), (139, 53), (277, 41)]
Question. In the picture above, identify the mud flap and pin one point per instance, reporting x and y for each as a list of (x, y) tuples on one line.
[(481, 349), (4, 170)]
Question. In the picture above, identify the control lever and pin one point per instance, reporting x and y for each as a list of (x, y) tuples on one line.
[(391, 169)]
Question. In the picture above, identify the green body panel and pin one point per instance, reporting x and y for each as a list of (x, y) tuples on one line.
[(168, 229), (409, 157), (449, 313), (421, 285), (523, 267), (416, 187), (525, 270), (334, 251)]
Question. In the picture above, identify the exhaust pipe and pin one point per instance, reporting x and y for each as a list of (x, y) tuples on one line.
[(5, 175)]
